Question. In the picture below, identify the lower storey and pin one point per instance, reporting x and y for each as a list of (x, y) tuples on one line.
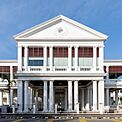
[(69, 96)]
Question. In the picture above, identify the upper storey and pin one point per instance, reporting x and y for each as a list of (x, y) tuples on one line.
[(83, 46)]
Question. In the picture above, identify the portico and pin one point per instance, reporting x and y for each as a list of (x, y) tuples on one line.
[(67, 59)]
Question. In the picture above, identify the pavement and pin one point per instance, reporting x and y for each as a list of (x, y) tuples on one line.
[(51, 120)]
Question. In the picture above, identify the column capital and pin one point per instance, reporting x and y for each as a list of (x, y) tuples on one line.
[(101, 46)]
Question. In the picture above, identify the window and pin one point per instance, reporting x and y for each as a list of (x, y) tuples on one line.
[(35, 62)]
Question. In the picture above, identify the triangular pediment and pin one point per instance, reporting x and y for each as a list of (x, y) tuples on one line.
[(61, 27)]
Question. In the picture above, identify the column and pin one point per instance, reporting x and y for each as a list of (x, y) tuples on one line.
[(45, 100), (101, 95), (101, 58), (51, 97), (69, 96), (75, 95), (82, 99), (11, 73), (1, 98), (94, 95), (36, 99), (65, 99), (116, 97), (11, 96), (69, 58), (26, 96), (20, 96), (94, 58), (31, 98), (87, 100), (51, 57), (107, 97), (7, 97), (107, 72), (76, 58), (26, 58), (90, 99), (45, 57), (19, 58)]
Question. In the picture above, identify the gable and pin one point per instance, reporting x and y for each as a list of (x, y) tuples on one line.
[(61, 28)]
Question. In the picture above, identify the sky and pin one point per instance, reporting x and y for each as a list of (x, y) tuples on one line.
[(102, 15)]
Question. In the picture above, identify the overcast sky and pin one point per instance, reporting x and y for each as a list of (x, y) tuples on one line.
[(102, 15)]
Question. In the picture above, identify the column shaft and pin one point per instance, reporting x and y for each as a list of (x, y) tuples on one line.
[(51, 58), (94, 58), (94, 95), (45, 100), (69, 58), (11, 73), (1, 98), (101, 58), (11, 96), (51, 97), (26, 58), (75, 95), (87, 100), (69, 96), (20, 96), (45, 57), (65, 99), (101, 95), (82, 99), (107, 96), (76, 58), (19, 58)]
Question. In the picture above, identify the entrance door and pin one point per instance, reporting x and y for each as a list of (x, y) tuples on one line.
[(59, 99)]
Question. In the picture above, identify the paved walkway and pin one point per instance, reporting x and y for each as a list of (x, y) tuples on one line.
[(51, 120)]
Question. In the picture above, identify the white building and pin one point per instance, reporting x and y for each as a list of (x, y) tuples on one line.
[(62, 62)]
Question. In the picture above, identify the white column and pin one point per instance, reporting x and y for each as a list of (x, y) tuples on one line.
[(101, 95), (26, 58), (107, 72), (75, 95), (11, 96), (116, 97), (36, 99), (51, 97), (8, 100), (19, 58), (65, 99), (101, 58), (69, 58), (31, 98), (82, 99), (1, 98), (87, 100), (94, 95), (26, 96), (45, 100), (76, 58), (94, 57), (107, 96), (69, 96), (45, 57), (90, 99), (51, 57), (11, 73), (20, 96)]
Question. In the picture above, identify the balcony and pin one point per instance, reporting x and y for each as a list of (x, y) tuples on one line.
[(38, 69)]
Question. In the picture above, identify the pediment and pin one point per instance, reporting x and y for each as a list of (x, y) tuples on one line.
[(61, 28)]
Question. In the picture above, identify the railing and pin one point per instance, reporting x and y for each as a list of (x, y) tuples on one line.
[(58, 69)]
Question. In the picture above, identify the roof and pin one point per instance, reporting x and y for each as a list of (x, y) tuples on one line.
[(58, 19)]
